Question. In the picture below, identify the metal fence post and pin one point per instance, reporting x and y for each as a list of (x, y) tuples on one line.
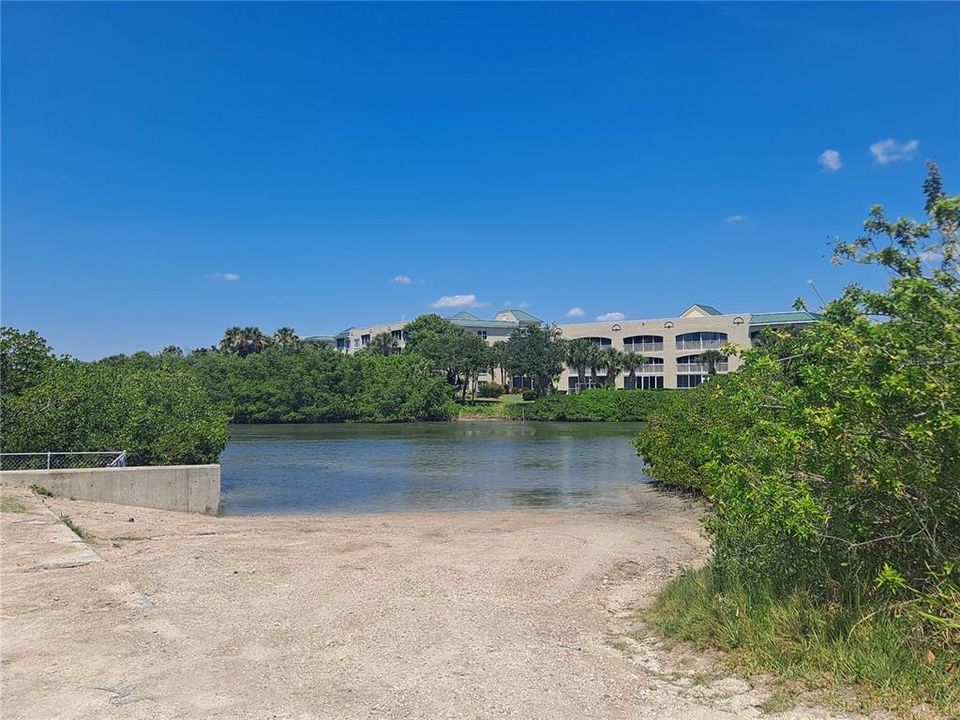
[(48, 461)]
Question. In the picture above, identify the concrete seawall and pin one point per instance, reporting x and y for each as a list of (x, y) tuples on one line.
[(190, 488)]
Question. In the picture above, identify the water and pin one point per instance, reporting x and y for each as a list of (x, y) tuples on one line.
[(427, 466)]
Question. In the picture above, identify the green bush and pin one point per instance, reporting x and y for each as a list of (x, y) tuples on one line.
[(596, 406), (491, 390), (159, 416), (529, 395), (832, 457), (317, 384)]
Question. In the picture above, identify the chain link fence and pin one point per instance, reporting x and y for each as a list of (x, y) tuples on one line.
[(62, 460)]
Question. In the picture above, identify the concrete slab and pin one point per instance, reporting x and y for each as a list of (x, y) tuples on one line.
[(36, 539)]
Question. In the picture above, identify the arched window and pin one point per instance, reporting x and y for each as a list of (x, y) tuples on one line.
[(602, 341)]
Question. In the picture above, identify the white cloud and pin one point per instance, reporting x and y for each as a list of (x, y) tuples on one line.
[(611, 316), (401, 280), (227, 277), (523, 304), (734, 218), (458, 301), (830, 161), (889, 150), (931, 256), (576, 312)]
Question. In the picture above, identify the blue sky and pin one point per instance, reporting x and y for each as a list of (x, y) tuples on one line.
[(173, 169)]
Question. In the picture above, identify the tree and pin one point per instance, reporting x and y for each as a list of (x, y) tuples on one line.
[(536, 352), (23, 359), (611, 362), (631, 363), (159, 416), (172, 351), (434, 339), (496, 360), (595, 363), (286, 338), (384, 344), (832, 457), (712, 358), (579, 356), (447, 348), (243, 341)]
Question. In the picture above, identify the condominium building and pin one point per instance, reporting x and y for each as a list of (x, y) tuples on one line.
[(672, 348)]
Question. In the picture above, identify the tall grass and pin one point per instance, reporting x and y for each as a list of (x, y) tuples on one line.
[(821, 646)]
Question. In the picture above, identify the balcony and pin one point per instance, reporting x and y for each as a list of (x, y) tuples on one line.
[(643, 347), (700, 344), (702, 368)]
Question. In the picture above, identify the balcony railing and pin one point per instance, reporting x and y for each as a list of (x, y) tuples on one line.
[(643, 347), (700, 344), (652, 369), (702, 368)]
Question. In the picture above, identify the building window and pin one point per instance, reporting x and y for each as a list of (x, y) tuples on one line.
[(643, 343), (602, 341), (652, 382), (482, 333), (643, 382), (701, 341), (689, 381), (364, 340)]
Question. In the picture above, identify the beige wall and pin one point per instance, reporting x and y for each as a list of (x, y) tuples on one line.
[(191, 488), (498, 334), (737, 328)]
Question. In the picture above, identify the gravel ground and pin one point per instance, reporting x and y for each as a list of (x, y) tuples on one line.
[(521, 613)]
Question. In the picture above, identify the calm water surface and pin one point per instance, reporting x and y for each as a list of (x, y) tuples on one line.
[(435, 466)]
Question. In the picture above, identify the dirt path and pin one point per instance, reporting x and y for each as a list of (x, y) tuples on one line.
[(447, 615)]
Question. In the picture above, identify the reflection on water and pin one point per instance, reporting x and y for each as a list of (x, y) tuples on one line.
[(458, 465)]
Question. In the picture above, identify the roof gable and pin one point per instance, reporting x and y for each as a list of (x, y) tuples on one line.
[(524, 317), (698, 310)]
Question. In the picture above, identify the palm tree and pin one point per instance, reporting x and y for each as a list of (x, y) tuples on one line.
[(384, 344), (579, 354), (712, 358), (612, 363), (631, 363), (253, 340), (243, 341), (286, 338), (595, 363), (497, 359), (231, 341)]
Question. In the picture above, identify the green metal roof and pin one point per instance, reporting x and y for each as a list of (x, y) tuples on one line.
[(463, 315), (709, 309), (320, 339), (783, 318), (478, 323), (524, 316)]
